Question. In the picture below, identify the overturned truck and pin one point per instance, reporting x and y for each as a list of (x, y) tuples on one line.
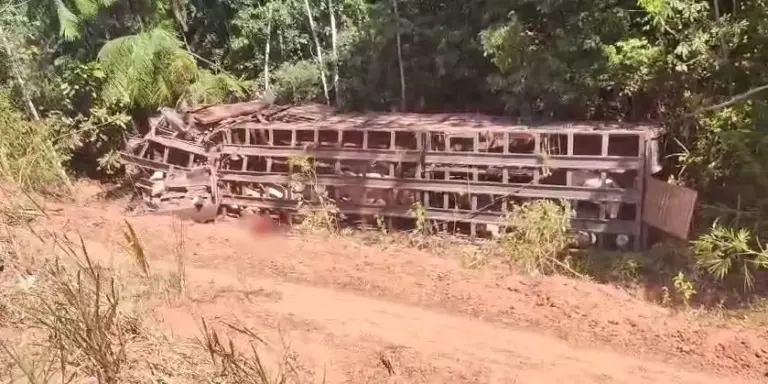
[(462, 170)]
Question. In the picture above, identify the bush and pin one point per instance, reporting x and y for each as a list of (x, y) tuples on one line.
[(537, 236), (721, 251), (298, 82), (31, 157)]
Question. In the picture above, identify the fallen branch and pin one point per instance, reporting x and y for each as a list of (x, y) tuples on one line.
[(733, 100)]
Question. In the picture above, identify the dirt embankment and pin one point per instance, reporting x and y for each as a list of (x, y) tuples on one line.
[(342, 305)]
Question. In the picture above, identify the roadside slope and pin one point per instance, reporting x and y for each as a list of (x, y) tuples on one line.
[(354, 296)]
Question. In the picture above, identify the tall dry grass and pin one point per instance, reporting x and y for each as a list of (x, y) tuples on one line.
[(179, 277), (245, 365), (76, 304), (84, 325)]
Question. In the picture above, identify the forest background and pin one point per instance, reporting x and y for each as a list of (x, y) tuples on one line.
[(73, 73)]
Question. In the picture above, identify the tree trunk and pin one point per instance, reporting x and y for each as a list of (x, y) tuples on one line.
[(266, 49), (320, 62), (334, 44), (19, 79), (400, 58)]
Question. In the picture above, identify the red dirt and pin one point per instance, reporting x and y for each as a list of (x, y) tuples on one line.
[(342, 304)]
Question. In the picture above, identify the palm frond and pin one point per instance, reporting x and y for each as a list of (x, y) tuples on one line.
[(148, 69), (87, 8), (723, 250), (69, 23), (181, 68), (216, 88)]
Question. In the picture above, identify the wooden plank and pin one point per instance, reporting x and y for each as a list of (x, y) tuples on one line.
[(148, 164), (448, 124), (668, 207), (179, 144), (630, 196), (448, 215), (607, 163)]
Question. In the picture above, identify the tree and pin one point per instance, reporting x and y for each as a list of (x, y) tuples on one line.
[(152, 69), (70, 14), (147, 70), (699, 67)]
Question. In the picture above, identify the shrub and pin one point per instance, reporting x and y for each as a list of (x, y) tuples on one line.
[(721, 251), (536, 236), (298, 82), (324, 214), (31, 157)]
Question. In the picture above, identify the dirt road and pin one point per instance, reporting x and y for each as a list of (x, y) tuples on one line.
[(346, 332), (342, 306)]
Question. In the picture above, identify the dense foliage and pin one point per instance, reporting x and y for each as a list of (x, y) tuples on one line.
[(695, 66)]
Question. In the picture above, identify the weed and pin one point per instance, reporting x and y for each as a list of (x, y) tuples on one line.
[(179, 278), (381, 225), (79, 310), (472, 258), (31, 157), (420, 215), (666, 298), (324, 215), (238, 366), (627, 267), (15, 210), (684, 288), (476, 256), (386, 362), (346, 232), (723, 250), (607, 266), (32, 368), (320, 219), (536, 237), (135, 248)]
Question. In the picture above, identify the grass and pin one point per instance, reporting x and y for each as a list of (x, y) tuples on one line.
[(83, 323), (76, 304), (179, 277), (245, 366), (78, 321), (136, 249)]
